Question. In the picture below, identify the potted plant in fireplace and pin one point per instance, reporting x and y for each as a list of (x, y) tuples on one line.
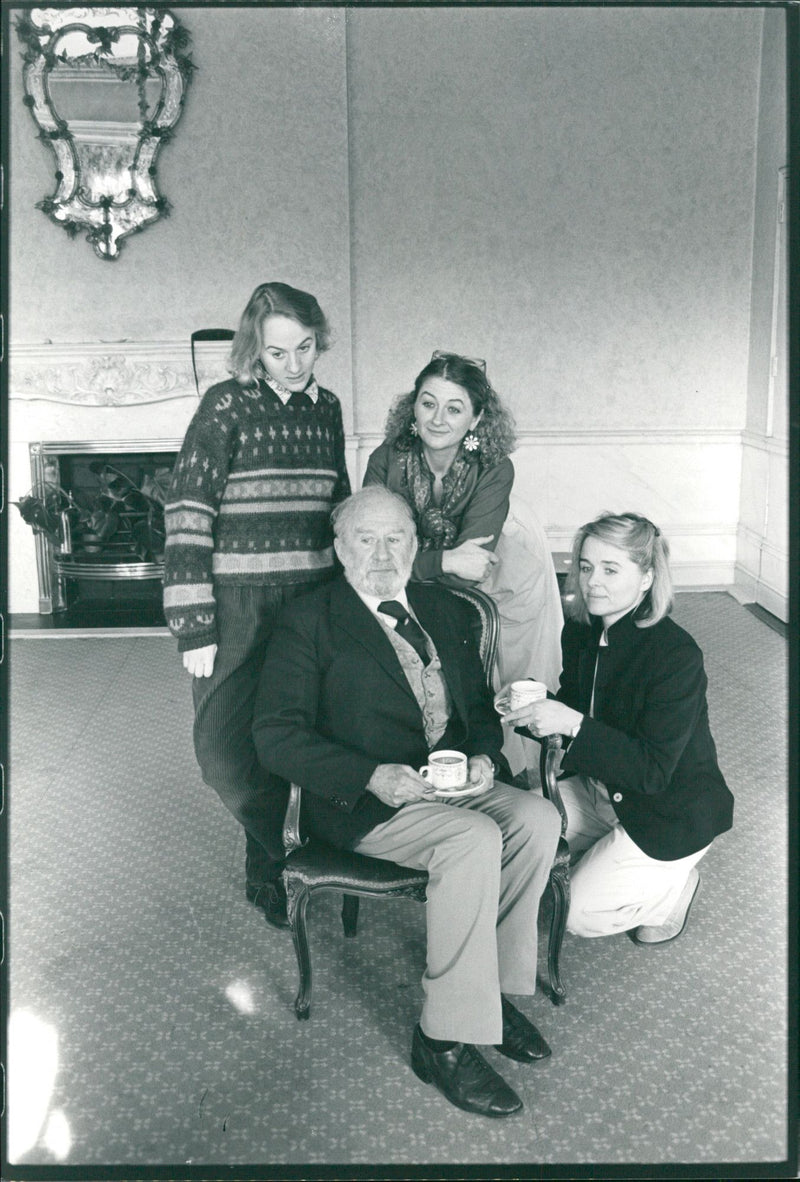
[(116, 517)]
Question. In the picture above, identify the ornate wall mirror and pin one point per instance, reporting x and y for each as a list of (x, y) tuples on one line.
[(106, 87)]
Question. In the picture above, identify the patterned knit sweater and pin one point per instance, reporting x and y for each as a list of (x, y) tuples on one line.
[(250, 500)]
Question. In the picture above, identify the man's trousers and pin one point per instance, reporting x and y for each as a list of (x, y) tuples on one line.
[(488, 858)]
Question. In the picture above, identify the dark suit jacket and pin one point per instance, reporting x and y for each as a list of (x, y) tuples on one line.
[(649, 741), (333, 703)]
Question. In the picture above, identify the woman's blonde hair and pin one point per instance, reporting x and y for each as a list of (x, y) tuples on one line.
[(645, 545), (273, 299)]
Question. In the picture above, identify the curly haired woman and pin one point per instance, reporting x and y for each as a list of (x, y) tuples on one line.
[(446, 453)]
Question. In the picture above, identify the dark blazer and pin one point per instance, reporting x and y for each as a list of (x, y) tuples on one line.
[(649, 740), (333, 703)]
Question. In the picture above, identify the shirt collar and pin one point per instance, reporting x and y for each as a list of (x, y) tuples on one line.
[(372, 601), (312, 389)]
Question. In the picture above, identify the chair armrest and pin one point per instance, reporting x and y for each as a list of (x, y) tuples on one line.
[(549, 762), (291, 822)]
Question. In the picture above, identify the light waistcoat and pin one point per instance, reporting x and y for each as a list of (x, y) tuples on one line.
[(427, 684)]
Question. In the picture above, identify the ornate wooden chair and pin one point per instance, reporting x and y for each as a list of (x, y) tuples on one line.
[(549, 761), (207, 334), (312, 866)]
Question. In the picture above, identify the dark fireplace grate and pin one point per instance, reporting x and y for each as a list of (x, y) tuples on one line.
[(108, 565)]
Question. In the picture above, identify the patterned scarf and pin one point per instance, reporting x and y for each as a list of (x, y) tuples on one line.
[(437, 530)]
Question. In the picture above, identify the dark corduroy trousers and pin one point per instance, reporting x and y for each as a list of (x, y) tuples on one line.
[(223, 703)]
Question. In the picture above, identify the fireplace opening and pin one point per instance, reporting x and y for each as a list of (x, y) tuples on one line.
[(105, 567)]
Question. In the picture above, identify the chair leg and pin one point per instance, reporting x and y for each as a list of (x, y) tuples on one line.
[(559, 881), (296, 903), (350, 914)]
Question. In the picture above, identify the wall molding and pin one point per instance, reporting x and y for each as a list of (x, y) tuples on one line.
[(769, 443), (641, 436)]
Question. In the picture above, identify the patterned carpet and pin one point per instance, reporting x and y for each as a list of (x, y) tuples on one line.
[(151, 1007)]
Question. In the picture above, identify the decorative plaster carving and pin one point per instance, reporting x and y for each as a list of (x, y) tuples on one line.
[(106, 381), (111, 374)]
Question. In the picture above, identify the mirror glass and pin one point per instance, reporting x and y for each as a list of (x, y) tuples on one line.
[(106, 87)]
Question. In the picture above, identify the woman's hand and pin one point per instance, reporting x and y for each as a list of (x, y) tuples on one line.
[(469, 560), (200, 661), (545, 717)]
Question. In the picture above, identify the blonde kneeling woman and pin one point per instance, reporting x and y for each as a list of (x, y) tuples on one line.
[(643, 791)]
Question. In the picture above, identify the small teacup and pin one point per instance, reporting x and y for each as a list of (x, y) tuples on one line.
[(445, 770), (522, 693)]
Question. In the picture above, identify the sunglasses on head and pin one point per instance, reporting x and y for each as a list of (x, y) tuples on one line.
[(440, 355)]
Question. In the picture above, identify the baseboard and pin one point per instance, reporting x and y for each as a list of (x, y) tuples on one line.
[(767, 618), (749, 588), (32, 626)]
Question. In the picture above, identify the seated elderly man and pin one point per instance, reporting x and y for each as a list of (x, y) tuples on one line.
[(363, 678)]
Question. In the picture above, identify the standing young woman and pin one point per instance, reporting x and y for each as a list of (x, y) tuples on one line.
[(446, 453), (248, 528), (643, 790)]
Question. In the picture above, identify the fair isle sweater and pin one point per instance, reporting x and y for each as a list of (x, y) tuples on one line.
[(250, 500)]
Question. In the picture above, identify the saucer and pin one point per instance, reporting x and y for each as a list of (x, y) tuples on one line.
[(457, 793)]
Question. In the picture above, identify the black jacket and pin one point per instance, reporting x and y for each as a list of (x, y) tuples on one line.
[(333, 703), (649, 740)]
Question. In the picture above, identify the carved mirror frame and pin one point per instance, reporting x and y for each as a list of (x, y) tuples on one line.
[(106, 171)]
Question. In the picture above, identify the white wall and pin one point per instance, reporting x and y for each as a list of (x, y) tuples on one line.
[(569, 193), (762, 555)]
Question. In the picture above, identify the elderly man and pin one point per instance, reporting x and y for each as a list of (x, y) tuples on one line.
[(363, 678)]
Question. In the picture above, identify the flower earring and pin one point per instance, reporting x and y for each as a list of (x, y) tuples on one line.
[(471, 442), (412, 428)]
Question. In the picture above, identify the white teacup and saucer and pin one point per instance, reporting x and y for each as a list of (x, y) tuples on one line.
[(448, 774)]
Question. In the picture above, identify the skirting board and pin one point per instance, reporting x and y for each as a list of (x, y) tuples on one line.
[(750, 589)]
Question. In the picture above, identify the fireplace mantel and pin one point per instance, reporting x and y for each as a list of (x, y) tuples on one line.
[(107, 392), (113, 373)]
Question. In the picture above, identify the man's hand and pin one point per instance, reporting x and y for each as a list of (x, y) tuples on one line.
[(200, 661), (545, 717), (397, 783), (481, 767)]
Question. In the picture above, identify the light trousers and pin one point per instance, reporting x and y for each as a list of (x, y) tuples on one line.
[(488, 859), (614, 886)]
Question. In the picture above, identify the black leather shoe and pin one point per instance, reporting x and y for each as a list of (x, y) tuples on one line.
[(521, 1040), (464, 1077), (270, 899)]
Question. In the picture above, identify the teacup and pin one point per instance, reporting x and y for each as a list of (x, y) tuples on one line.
[(521, 693), (524, 692), (446, 770)]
